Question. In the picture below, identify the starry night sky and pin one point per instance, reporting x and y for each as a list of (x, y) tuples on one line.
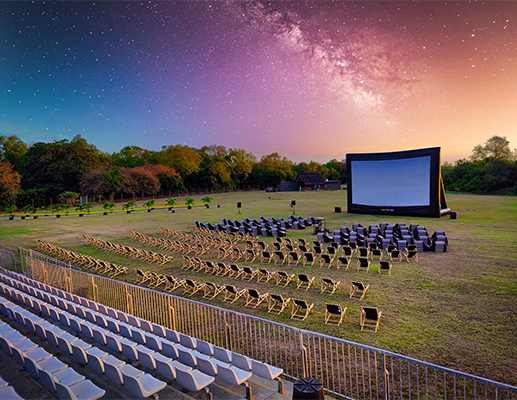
[(311, 80)]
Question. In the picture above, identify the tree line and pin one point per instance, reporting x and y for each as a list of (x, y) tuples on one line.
[(40, 173)]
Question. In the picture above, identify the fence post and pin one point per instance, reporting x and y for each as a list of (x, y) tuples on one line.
[(227, 332), (303, 351), (95, 290), (385, 379), (172, 314)]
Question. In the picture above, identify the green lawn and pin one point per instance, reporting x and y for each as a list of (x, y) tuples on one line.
[(457, 309)]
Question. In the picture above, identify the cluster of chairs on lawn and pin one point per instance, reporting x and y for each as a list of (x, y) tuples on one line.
[(198, 232), (284, 251), (276, 227), (93, 264), (385, 235), (129, 251), (82, 328)]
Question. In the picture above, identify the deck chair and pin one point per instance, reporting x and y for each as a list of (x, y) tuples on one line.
[(212, 289), (308, 258), (329, 284), (370, 318), (343, 262), (277, 303), (302, 242), (173, 283), (358, 290), (280, 257), (396, 255), (142, 277), (192, 287), (363, 264), (376, 253), (266, 255), (222, 269), (326, 260), (254, 298), (363, 252), (304, 279), (233, 294), (335, 313), (251, 255), (411, 255), (222, 253), (264, 275), (385, 267), (282, 276), (301, 309), (293, 258), (303, 249), (317, 250), (249, 273), (235, 271), (347, 251)]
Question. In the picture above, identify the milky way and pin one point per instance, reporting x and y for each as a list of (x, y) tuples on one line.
[(307, 79)]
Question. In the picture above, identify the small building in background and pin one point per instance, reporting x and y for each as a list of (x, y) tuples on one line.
[(311, 181)]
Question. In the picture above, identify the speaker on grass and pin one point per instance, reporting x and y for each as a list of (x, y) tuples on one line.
[(337, 209), (454, 215), (293, 202), (239, 204)]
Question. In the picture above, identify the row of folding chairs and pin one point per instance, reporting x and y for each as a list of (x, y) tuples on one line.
[(129, 251), (171, 245), (235, 237), (78, 259), (152, 340)]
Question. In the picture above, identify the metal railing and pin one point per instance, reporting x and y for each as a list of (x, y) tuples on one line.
[(347, 369)]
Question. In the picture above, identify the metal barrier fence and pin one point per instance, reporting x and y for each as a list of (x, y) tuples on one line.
[(347, 369)]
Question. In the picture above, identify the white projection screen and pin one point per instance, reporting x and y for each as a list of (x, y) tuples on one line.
[(399, 183), (392, 183)]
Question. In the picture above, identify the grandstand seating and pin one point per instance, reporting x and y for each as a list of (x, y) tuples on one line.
[(156, 348)]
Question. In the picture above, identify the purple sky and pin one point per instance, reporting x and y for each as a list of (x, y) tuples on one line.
[(311, 80)]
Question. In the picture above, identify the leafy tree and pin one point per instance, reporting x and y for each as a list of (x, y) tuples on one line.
[(132, 156), (12, 149), (149, 204), (139, 181), (10, 209), (9, 184), (496, 148), (206, 200), (271, 170), (28, 209), (69, 198), (59, 166), (102, 183), (189, 201), (108, 206), (129, 205), (183, 159)]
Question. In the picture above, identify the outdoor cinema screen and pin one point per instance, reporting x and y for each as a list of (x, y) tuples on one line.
[(399, 183)]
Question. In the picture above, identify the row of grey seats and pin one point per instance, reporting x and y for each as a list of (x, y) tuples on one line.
[(146, 345), (55, 375)]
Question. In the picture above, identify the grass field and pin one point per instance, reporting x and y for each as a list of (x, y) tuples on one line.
[(457, 309)]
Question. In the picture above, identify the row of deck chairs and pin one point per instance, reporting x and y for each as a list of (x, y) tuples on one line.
[(209, 229), (207, 238), (128, 251), (171, 245), (300, 309), (93, 264)]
